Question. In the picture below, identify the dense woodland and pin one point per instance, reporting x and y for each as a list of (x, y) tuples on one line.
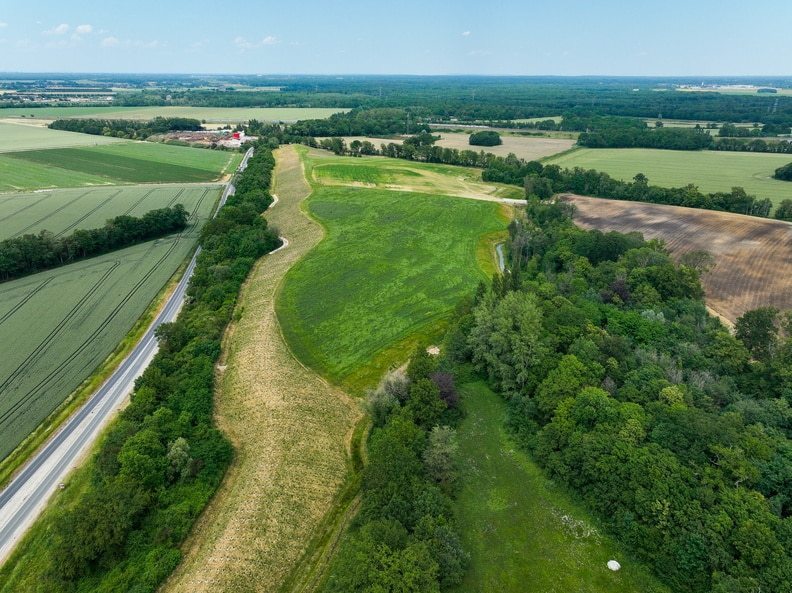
[(28, 254), (127, 128), (162, 459), (675, 432), (488, 99), (404, 537)]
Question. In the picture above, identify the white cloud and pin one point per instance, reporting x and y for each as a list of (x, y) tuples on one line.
[(61, 29), (243, 44), (110, 42), (478, 53), (83, 29), (3, 25), (465, 33)]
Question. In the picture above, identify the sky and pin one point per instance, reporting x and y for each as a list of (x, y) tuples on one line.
[(494, 37)]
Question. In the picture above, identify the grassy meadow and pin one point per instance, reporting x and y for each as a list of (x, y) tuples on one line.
[(125, 162), (57, 326), (62, 211), (711, 171), (390, 270), (16, 137), (524, 533)]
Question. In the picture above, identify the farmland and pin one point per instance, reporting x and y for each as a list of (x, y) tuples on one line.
[(62, 211), (752, 267), (394, 174), (711, 171), (16, 137), (290, 430), (56, 327), (125, 162), (220, 115), (359, 301), (523, 532), (530, 148)]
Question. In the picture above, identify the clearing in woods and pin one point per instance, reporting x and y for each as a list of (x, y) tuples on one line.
[(123, 162), (57, 326), (710, 170), (522, 531), (391, 270), (753, 267), (291, 431)]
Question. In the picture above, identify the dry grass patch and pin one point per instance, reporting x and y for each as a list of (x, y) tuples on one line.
[(291, 431)]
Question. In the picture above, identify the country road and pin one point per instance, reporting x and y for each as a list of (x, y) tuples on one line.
[(25, 497)]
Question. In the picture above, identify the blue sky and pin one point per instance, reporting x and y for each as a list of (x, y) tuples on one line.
[(563, 37)]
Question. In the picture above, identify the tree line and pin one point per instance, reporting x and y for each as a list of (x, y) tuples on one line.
[(162, 458), (31, 253), (546, 180), (127, 128), (673, 431), (404, 536)]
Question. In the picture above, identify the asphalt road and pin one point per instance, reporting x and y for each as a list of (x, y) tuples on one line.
[(23, 500)]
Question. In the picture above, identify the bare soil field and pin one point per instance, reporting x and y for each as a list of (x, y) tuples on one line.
[(291, 431), (530, 148), (753, 255)]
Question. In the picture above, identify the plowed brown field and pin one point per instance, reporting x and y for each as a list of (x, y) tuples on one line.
[(753, 255)]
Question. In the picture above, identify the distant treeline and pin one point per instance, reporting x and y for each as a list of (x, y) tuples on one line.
[(404, 536), (666, 138), (28, 254), (162, 459), (756, 145), (361, 122), (126, 128), (487, 99)]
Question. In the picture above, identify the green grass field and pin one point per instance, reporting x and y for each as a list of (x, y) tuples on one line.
[(711, 171), (56, 327), (210, 114), (327, 169), (524, 533), (62, 211), (125, 162), (390, 270), (16, 137)]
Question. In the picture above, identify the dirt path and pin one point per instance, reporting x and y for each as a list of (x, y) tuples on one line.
[(291, 430)]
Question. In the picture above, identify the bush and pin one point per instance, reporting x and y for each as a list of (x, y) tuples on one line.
[(485, 138), (784, 173)]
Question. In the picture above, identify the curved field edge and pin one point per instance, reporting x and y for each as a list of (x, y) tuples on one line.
[(308, 308), (292, 483)]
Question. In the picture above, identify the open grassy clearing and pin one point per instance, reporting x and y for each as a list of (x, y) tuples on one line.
[(390, 271), (753, 264), (522, 531), (56, 327), (289, 427), (16, 137), (224, 115), (125, 162), (63, 211), (711, 171), (400, 175)]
